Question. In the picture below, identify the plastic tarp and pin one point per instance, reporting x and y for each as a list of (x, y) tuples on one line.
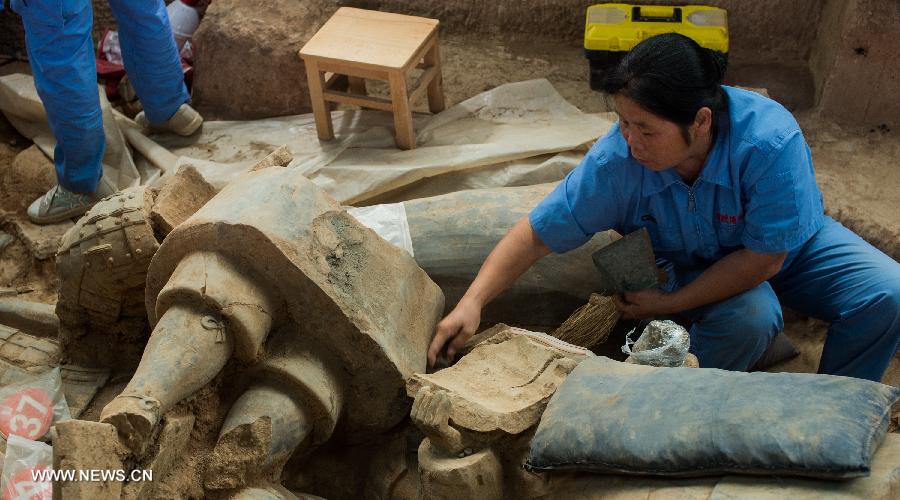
[(516, 134), (20, 103)]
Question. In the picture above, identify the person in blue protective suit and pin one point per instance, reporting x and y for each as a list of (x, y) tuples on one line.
[(60, 49), (723, 180)]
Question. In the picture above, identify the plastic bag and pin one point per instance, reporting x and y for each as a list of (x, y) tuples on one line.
[(24, 470), (389, 221), (662, 343), (30, 405)]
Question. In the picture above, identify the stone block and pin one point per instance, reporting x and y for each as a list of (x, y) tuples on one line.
[(245, 55), (30, 175), (170, 446), (180, 196), (524, 369), (854, 62), (41, 241), (80, 445)]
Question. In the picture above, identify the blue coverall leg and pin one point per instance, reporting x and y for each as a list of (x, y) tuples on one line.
[(840, 278), (151, 56), (733, 334), (58, 40), (60, 48), (837, 277)]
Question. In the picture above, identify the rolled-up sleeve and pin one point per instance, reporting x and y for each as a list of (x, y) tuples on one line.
[(584, 203), (784, 204)]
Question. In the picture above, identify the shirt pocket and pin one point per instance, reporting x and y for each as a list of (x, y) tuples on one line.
[(666, 239), (728, 235)]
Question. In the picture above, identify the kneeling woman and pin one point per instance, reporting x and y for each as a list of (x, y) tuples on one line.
[(723, 180)]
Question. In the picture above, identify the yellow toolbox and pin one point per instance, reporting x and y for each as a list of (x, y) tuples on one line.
[(612, 29)]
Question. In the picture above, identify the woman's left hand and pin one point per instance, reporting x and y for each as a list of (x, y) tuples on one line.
[(646, 303)]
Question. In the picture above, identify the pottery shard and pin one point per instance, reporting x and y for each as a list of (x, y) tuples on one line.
[(26, 351), (42, 241), (182, 195), (505, 382), (79, 445), (171, 444)]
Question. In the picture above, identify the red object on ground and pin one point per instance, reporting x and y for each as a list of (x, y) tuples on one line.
[(27, 413), (22, 484)]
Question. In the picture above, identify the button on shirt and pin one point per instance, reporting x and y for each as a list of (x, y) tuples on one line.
[(757, 190)]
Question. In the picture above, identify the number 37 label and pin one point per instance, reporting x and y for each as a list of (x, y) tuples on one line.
[(27, 413)]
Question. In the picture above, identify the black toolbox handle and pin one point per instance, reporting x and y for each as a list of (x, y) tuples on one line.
[(637, 17)]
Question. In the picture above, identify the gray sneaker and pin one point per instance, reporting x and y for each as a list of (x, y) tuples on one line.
[(184, 122), (60, 204)]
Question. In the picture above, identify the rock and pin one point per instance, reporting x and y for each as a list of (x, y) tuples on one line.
[(281, 157), (34, 318), (31, 175), (5, 239), (478, 475), (84, 446), (524, 369), (170, 446), (857, 40), (27, 351), (41, 241), (180, 196), (246, 59)]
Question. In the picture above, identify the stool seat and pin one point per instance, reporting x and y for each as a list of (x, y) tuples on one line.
[(364, 44)]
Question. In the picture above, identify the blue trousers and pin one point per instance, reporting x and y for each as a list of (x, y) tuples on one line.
[(61, 51), (837, 277)]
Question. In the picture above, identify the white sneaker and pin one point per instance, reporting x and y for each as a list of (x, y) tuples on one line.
[(184, 122), (60, 204)]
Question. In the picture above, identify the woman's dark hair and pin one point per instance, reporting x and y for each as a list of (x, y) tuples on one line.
[(671, 76)]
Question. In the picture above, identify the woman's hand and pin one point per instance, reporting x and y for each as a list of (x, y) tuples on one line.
[(646, 303), (455, 330)]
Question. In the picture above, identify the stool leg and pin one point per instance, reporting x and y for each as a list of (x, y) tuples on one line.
[(317, 99), (436, 86), (403, 125), (358, 85)]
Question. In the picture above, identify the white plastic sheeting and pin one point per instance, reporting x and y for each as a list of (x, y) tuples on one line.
[(516, 134)]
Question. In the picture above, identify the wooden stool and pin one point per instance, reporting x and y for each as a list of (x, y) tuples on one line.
[(366, 44)]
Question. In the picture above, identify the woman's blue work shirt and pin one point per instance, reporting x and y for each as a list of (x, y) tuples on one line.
[(757, 190)]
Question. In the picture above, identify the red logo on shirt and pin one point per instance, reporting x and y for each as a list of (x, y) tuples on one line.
[(729, 219)]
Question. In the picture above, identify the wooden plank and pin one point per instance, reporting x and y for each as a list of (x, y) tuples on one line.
[(350, 70), (422, 83), (403, 126), (316, 80), (436, 84), (370, 38), (359, 100), (417, 60)]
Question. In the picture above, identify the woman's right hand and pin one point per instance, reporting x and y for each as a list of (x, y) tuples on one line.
[(455, 330)]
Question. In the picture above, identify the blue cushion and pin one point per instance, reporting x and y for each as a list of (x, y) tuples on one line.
[(622, 418)]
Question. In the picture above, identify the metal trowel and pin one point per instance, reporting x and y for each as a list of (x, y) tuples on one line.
[(628, 264)]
